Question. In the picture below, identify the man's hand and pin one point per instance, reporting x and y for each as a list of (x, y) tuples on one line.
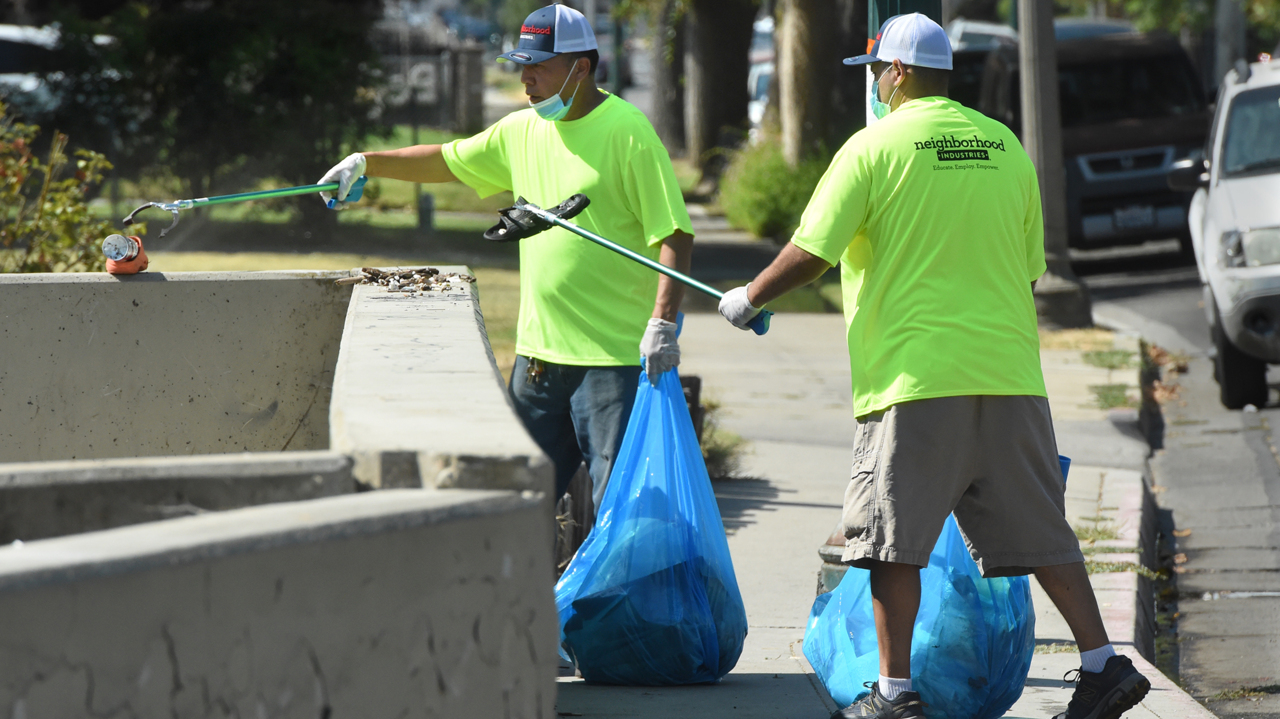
[(659, 348), (344, 173), (736, 308)]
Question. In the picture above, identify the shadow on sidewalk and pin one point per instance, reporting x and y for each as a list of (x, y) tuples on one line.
[(740, 498), (740, 695)]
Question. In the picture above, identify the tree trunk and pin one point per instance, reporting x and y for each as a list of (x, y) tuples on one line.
[(1061, 298), (849, 90), (806, 65), (717, 40), (668, 76)]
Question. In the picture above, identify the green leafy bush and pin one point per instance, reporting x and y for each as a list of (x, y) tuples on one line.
[(762, 194), (45, 224)]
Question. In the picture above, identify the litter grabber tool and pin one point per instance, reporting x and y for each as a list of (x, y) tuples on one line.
[(357, 189), (526, 219)]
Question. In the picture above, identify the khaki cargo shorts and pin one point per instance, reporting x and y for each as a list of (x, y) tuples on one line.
[(991, 460)]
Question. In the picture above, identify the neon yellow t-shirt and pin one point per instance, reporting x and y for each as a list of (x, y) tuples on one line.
[(581, 304), (934, 214)]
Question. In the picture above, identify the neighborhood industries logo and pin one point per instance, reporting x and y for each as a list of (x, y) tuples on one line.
[(954, 149)]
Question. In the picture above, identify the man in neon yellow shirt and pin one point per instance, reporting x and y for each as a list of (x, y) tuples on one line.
[(587, 315), (934, 214)]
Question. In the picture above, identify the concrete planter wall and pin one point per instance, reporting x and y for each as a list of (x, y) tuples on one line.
[(120, 399)]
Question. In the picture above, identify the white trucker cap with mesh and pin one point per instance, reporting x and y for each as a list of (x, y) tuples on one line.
[(911, 39), (550, 31)]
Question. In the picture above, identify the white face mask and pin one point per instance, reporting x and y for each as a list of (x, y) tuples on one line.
[(553, 108)]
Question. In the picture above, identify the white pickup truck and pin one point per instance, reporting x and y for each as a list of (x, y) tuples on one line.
[(1234, 220)]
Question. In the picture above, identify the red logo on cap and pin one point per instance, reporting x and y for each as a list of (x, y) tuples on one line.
[(535, 30)]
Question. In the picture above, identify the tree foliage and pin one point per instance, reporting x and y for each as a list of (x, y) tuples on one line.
[(222, 92), (1261, 16), (45, 224)]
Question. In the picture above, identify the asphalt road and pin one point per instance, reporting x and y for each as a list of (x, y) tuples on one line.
[(1218, 477)]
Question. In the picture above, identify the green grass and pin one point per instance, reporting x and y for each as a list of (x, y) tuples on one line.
[(499, 288), (1091, 339), (1245, 693), (1111, 359), (1057, 648), (1095, 567), (1110, 396), (1097, 533)]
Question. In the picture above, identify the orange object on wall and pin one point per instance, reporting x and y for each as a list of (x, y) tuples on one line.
[(133, 265)]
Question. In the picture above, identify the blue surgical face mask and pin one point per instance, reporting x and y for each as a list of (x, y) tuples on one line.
[(553, 108), (881, 109)]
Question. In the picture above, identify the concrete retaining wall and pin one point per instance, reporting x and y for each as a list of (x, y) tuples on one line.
[(385, 604), (418, 401), (401, 602), (52, 499), (94, 366)]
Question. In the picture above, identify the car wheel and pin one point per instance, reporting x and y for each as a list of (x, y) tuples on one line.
[(1186, 251), (1242, 379)]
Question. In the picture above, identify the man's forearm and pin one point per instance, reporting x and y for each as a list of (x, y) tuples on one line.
[(419, 163), (792, 268), (677, 253)]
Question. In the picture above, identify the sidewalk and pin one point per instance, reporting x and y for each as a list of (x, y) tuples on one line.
[(788, 394)]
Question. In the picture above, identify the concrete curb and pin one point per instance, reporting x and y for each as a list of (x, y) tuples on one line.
[(1131, 611), (1127, 604), (418, 401)]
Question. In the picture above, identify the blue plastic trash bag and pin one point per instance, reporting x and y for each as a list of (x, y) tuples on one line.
[(651, 598), (973, 639)]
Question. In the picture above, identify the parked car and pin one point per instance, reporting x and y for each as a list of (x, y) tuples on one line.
[(1131, 106), (1234, 222), (26, 53)]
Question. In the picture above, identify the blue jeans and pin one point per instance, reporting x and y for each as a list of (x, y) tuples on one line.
[(574, 414)]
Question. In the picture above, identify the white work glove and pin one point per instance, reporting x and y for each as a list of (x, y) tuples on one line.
[(344, 173), (659, 348), (736, 308)]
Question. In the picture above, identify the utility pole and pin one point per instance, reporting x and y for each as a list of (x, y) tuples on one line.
[(1229, 31), (1061, 298)]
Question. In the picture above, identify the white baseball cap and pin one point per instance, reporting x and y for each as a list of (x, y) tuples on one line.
[(549, 31), (912, 39)]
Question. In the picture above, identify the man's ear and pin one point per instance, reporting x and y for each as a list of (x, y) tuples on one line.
[(577, 67)]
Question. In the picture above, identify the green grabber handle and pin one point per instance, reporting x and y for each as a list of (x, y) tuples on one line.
[(758, 324), (357, 189)]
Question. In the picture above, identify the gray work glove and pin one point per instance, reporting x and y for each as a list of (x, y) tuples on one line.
[(736, 308), (659, 348), (344, 173)]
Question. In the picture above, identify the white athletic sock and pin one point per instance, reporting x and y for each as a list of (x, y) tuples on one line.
[(1095, 659), (890, 688)]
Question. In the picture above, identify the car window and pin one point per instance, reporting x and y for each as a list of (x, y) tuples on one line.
[(1113, 90), (1252, 140), (21, 57)]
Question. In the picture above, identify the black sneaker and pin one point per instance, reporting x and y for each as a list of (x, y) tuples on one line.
[(875, 706), (1106, 694)]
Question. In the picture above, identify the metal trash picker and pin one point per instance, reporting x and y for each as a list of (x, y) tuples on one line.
[(526, 219), (119, 247)]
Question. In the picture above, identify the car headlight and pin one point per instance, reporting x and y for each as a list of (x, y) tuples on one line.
[(1251, 248)]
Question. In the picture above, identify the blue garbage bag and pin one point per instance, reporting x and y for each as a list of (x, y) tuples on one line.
[(973, 639), (651, 598)]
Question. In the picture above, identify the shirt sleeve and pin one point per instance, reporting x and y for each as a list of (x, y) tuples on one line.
[(838, 208), (651, 189), (480, 161), (1033, 226)]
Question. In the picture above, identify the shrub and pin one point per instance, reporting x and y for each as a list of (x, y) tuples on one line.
[(764, 195), (45, 225)]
